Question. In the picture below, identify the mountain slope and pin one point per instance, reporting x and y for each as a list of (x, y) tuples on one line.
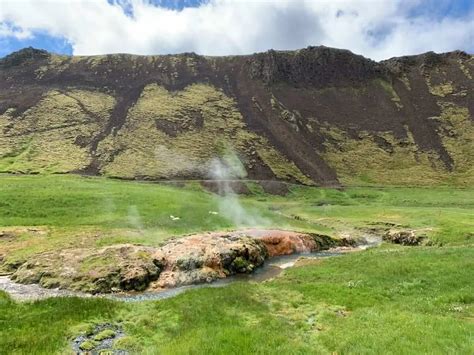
[(314, 116)]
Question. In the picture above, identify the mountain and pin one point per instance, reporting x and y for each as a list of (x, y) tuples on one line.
[(314, 116)]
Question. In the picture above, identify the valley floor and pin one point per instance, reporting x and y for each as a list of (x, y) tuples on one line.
[(390, 299)]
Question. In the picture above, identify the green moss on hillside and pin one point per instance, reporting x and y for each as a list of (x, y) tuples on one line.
[(52, 136), (442, 89), (457, 133), (465, 69), (363, 160), (280, 166), (176, 134), (388, 87)]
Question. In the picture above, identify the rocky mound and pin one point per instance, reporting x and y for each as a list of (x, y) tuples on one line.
[(204, 258), (188, 260), (281, 242), (120, 267)]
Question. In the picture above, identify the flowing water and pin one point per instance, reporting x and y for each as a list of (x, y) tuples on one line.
[(272, 268)]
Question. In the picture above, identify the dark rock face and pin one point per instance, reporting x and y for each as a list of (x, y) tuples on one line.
[(24, 56), (314, 116), (314, 67)]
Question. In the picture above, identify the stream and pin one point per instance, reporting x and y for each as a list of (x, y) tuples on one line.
[(272, 268)]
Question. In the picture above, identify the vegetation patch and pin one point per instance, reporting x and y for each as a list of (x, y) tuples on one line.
[(457, 132), (280, 166), (179, 134), (364, 160), (464, 68), (98, 339), (44, 139), (388, 87), (442, 90)]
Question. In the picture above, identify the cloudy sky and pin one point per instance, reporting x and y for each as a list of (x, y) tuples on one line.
[(378, 29)]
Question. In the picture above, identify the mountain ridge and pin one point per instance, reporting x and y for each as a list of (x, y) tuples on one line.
[(316, 116)]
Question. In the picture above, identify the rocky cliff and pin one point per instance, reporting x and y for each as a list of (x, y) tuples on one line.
[(314, 116)]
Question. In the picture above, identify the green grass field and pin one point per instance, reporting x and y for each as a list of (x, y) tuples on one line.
[(391, 299)]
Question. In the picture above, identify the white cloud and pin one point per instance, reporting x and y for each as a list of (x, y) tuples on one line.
[(7, 30), (377, 29)]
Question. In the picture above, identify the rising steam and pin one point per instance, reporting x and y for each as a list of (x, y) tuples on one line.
[(134, 219), (223, 172)]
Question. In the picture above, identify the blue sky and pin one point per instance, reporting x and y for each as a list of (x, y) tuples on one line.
[(375, 28)]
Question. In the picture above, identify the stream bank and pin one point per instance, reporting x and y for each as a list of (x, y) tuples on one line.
[(271, 268)]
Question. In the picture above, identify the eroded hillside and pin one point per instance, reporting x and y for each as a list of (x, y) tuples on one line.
[(313, 116)]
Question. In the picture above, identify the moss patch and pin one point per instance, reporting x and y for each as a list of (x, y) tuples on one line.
[(280, 166), (388, 88), (366, 161), (53, 136), (170, 134), (442, 90), (104, 334), (88, 345), (457, 134)]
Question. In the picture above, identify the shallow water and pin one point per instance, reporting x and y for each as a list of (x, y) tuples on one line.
[(33, 292), (271, 269)]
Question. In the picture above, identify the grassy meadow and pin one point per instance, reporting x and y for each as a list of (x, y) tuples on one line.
[(390, 299)]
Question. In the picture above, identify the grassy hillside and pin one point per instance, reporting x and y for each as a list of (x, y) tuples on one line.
[(391, 299), (304, 116)]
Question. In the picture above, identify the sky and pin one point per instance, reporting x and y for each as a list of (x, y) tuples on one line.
[(378, 29)]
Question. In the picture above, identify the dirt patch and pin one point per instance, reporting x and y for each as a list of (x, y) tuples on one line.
[(279, 242), (15, 232), (7, 236), (289, 244)]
